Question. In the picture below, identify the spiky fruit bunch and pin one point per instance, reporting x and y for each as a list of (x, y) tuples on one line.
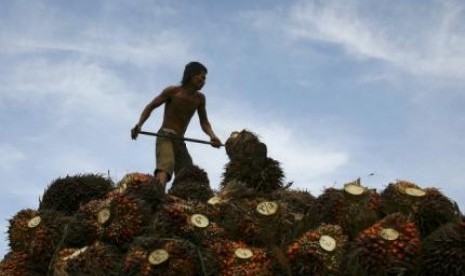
[(444, 251), (354, 208), (389, 247), (38, 234), (201, 227), (22, 228), (139, 185), (302, 205), (97, 214), (434, 210), (154, 256), (190, 220), (299, 201), (401, 196), (330, 198), (239, 221), (69, 193), (266, 176), (118, 217), (17, 264), (133, 179), (235, 189), (428, 207), (171, 215), (317, 252), (249, 163), (237, 258), (245, 145), (81, 231), (257, 220), (191, 183), (95, 259), (128, 217)]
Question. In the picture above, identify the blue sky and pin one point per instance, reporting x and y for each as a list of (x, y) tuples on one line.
[(336, 89)]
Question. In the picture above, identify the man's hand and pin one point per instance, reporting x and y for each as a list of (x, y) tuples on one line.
[(216, 142), (135, 131)]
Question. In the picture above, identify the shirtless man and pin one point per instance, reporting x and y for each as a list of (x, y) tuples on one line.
[(181, 102)]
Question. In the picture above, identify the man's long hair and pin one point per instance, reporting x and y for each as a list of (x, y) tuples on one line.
[(192, 68)]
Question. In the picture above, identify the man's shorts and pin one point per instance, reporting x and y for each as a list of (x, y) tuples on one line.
[(171, 154)]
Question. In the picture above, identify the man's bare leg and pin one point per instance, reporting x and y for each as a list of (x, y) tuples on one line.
[(161, 180)]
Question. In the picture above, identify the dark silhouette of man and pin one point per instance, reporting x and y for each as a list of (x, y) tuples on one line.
[(181, 102)]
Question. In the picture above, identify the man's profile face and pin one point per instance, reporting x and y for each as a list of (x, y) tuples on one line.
[(198, 80)]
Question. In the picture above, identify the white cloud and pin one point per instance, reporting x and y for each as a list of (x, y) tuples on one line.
[(10, 157), (336, 23), (77, 86), (155, 48), (430, 42), (306, 161), (41, 31), (303, 158), (120, 46)]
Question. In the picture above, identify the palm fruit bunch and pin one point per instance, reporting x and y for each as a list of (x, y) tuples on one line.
[(249, 163), (243, 145), (444, 250), (81, 231), (354, 208), (191, 183), (68, 194), (317, 252), (256, 217), (128, 217), (149, 255), (37, 233), (300, 202), (401, 196), (141, 186), (96, 259), (301, 205), (236, 258), (235, 189), (96, 214), (191, 220), (118, 217), (257, 221), (17, 264), (240, 221), (433, 211), (389, 247), (429, 207)]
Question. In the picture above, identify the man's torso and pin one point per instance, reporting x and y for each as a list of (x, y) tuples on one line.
[(179, 109)]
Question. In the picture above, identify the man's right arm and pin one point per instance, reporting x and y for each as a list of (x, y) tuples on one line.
[(156, 102)]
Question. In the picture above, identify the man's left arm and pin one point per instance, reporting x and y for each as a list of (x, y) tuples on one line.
[(205, 124)]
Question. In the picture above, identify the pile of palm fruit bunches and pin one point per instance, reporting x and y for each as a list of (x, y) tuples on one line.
[(253, 225)]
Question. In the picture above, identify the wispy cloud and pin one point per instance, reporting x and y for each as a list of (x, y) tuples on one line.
[(426, 43), (41, 31), (306, 159), (10, 156), (307, 162), (336, 22), (72, 87), (425, 47)]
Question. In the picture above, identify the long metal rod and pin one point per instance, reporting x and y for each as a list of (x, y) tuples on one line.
[(177, 137)]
